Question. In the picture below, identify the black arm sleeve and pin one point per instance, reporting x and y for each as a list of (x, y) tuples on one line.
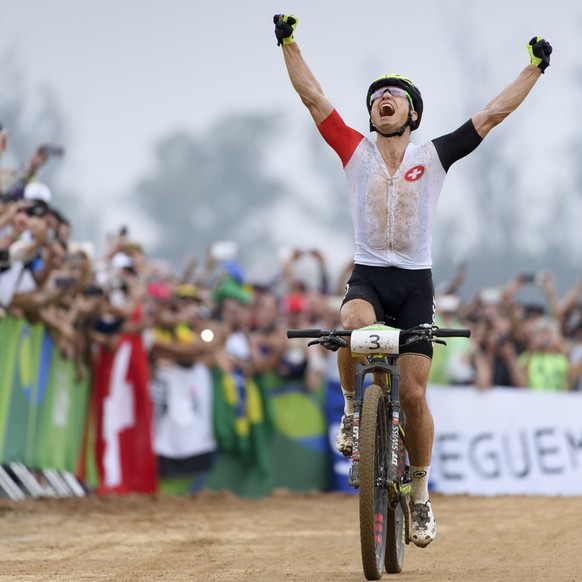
[(456, 145)]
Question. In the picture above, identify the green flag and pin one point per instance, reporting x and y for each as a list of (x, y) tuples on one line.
[(62, 416), (240, 423)]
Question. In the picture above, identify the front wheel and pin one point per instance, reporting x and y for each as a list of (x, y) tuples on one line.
[(373, 474)]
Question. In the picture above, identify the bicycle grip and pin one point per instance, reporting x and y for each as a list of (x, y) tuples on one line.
[(444, 332), (305, 333)]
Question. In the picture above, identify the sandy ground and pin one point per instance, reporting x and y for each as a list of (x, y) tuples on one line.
[(286, 537)]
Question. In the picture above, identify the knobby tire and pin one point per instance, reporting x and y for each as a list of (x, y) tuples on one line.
[(395, 532), (373, 494)]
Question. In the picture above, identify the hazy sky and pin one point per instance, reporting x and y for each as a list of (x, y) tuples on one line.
[(130, 71)]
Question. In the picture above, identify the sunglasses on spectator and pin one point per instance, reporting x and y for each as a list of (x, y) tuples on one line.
[(394, 91)]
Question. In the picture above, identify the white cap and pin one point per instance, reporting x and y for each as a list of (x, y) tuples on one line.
[(37, 191), (121, 261), (447, 303)]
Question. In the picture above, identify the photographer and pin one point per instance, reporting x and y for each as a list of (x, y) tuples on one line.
[(22, 238), (494, 335)]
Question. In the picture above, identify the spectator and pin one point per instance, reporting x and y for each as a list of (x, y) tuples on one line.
[(497, 345), (268, 334), (461, 362), (571, 322), (235, 356), (575, 356), (545, 362), (178, 331), (293, 363)]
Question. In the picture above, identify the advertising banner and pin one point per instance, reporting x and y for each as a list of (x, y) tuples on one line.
[(506, 441)]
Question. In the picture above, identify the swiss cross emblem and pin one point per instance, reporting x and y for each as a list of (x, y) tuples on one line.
[(414, 174)]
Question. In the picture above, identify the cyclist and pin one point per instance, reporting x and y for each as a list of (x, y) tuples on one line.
[(393, 188)]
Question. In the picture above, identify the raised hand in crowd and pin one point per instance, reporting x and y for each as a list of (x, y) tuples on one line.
[(235, 354), (4, 134), (570, 307), (268, 337), (39, 158)]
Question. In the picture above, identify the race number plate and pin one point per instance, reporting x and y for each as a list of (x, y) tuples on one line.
[(375, 341)]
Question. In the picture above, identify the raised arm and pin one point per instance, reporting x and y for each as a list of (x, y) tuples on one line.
[(302, 79), (514, 94)]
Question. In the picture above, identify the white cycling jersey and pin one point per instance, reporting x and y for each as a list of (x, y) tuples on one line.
[(393, 216)]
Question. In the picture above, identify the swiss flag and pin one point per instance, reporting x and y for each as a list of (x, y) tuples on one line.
[(124, 446), (414, 174)]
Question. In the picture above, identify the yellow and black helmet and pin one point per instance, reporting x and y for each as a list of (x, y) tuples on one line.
[(414, 95)]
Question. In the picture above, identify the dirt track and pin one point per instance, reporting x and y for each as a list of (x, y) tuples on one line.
[(287, 537)]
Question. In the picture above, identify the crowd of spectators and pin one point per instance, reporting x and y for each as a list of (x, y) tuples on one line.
[(211, 313), (514, 343)]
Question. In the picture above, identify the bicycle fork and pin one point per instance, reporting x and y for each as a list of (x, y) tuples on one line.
[(397, 482), (383, 370)]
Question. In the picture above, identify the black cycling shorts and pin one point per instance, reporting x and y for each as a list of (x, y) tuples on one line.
[(402, 298)]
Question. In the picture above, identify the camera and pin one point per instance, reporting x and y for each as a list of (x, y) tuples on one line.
[(53, 150), (65, 282), (93, 291), (38, 209)]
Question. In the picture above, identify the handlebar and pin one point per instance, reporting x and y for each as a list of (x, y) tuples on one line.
[(316, 333), (377, 338), (434, 331)]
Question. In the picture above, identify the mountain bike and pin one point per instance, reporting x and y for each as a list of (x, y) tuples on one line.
[(380, 467)]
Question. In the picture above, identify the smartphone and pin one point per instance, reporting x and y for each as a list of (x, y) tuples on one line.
[(93, 291), (65, 282), (53, 150), (528, 278)]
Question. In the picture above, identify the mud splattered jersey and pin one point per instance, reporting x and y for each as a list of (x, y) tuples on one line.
[(393, 216)]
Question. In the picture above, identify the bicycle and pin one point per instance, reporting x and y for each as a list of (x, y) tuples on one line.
[(380, 467)]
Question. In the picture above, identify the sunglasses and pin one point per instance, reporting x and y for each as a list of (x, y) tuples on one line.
[(394, 91)]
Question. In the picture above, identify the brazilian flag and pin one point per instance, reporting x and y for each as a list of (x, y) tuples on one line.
[(242, 418)]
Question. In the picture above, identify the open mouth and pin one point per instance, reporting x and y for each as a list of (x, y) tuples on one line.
[(386, 110)]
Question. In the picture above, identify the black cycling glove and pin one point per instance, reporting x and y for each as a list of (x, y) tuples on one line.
[(284, 27), (539, 52)]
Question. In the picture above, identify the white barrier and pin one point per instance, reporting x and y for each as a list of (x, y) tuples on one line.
[(506, 441)]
